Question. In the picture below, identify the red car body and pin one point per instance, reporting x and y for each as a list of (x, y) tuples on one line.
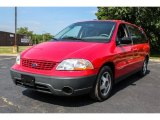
[(122, 59)]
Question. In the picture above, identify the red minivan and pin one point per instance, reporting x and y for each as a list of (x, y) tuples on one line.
[(86, 57)]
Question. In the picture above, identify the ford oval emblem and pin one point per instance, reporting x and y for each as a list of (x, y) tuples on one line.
[(34, 65)]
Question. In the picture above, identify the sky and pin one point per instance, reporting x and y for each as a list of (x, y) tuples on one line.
[(44, 19)]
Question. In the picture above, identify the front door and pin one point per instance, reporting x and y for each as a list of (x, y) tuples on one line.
[(124, 53)]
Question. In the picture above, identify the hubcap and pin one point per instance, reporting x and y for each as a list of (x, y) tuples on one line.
[(105, 83), (145, 67)]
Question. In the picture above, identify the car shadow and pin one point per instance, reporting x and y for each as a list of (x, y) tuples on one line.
[(78, 101), (68, 101), (129, 81)]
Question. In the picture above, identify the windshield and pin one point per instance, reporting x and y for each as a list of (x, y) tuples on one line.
[(87, 31)]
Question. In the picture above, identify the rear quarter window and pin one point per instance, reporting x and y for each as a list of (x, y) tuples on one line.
[(138, 36)]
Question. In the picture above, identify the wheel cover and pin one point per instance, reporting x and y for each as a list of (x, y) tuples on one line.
[(105, 83)]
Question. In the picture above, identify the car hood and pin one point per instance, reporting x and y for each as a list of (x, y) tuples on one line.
[(58, 51)]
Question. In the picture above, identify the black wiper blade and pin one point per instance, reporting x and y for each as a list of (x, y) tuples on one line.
[(53, 39), (71, 38)]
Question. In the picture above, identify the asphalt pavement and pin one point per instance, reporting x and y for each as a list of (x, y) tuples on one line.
[(132, 95)]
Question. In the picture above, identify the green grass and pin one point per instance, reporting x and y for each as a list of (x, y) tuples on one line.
[(9, 49), (155, 56)]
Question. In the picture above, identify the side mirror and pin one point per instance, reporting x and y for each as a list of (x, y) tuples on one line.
[(125, 40)]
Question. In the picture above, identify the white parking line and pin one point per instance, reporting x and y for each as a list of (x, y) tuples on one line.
[(7, 58)]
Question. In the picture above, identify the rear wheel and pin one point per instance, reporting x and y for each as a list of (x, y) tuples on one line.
[(103, 86), (144, 68)]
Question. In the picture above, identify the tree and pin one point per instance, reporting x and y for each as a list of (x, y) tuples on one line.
[(24, 31), (146, 17), (36, 38), (47, 36)]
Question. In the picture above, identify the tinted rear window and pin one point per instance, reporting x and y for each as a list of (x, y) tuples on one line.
[(138, 36)]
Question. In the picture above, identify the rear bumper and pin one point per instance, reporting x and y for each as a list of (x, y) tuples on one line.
[(56, 85)]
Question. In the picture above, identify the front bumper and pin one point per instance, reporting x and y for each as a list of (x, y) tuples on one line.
[(56, 85)]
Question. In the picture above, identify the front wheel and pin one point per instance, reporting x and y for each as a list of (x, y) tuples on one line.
[(103, 86)]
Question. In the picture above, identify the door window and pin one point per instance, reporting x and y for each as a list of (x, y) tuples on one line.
[(122, 33)]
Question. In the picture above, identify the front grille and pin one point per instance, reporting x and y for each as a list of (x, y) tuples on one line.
[(38, 64)]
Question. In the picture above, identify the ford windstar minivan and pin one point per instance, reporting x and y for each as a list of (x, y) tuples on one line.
[(86, 57)]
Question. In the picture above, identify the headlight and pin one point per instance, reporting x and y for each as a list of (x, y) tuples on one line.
[(18, 59), (75, 64)]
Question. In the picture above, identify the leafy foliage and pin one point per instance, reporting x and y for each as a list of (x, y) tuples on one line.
[(146, 17), (24, 31), (36, 38)]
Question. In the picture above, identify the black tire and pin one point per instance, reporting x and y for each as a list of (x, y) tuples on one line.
[(143, 70), (98, 93)]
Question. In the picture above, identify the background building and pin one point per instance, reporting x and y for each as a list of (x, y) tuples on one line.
[(7, 39)]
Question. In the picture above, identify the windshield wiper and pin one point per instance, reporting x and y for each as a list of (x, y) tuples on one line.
[(53, 39), (71, 38)]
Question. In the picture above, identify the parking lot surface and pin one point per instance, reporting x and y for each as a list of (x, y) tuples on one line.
[(132, 95)]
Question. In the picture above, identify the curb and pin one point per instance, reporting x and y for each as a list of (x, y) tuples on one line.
[(154, 60), (8, 54)]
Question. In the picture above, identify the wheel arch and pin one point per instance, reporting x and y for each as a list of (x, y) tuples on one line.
[(111, 65)]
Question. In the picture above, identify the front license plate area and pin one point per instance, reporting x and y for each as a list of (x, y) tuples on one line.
[(28, 80)]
